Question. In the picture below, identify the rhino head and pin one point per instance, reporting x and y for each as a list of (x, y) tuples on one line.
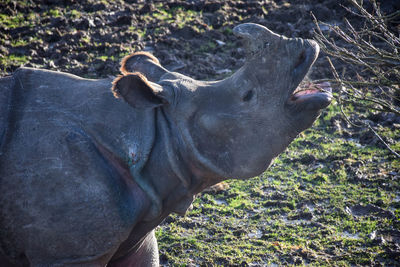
[(239, 124), (232, 128)]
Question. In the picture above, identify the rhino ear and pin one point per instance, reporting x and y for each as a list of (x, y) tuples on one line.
[(145, 63), (137, 91)]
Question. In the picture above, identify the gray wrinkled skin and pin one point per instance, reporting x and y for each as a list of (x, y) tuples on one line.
[(85, 177)]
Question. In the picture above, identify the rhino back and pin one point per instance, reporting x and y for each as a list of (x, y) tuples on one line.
[(57, 190)]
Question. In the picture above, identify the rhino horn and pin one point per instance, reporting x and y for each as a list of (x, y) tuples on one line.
[(256, 36)]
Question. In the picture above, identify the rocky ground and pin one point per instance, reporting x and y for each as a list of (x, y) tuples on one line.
[(331, 199)]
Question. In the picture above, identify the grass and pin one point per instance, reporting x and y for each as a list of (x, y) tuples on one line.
[(74, 13), (12, 59), (55, 13), (177, 16), (11, 22)]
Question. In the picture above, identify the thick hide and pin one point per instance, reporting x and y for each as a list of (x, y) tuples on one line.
[(88, 168), (54, 168)]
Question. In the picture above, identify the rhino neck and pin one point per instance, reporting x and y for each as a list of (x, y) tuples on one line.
[(202, 170), (189, 171), (181, 170)]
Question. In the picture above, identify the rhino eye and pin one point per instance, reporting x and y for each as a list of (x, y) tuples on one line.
[(249, 94)]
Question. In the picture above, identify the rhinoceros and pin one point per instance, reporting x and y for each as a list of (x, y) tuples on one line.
[(89, 167)]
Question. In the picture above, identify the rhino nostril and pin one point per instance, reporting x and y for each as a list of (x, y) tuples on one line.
[(248, 96), (301, 59)]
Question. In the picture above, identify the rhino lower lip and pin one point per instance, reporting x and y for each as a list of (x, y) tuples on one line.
[(311, 96)]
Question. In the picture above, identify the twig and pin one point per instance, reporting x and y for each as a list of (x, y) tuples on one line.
[(381, 139), (380, 65), (339, 81)]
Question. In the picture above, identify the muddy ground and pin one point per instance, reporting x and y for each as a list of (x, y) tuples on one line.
[(331, 199), (89, 38)]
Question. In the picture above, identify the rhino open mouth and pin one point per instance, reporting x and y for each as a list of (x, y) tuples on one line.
[(312, 96)]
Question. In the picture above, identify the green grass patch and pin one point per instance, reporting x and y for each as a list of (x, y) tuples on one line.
[(11, 22), (12, 59)]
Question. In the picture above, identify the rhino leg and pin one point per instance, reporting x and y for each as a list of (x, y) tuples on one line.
[(146, 255)]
